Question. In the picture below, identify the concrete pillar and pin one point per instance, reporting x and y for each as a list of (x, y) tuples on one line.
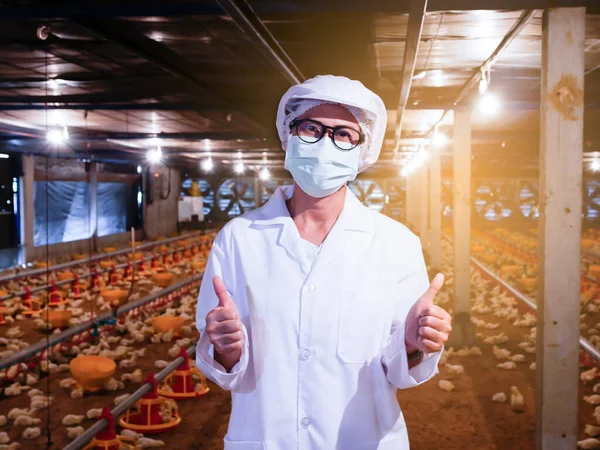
[(424, 206), (27, 214), (257, 192), (92, 179), (435, 210), (463, 330), (561, 139), (412, 201)]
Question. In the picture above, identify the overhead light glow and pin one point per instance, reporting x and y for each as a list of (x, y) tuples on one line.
[(437, 77), (489, 104), (3, 156), (139, 169), (57, 136), (404, 171), (154, 156), (207, 164), (595, 166), (420, 75), (238, 167), (439, 139), (264, 174)]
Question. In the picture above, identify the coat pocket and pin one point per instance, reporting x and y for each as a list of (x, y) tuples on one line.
[(360, 327)]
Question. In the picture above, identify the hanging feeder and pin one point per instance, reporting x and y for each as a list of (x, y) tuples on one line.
[(92, 372), (55, 298), (75, 289), (31, 303), (163, 279), (108, 439), (96, 282), (115, 297), (165, 323), (180, 383), (57, 318), (142, 268), (152, 413), (113, 276)]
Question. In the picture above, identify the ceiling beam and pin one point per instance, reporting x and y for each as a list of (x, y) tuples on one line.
[(251, 25), (519, 25), (97, 9), (413, 38), (162, 56)]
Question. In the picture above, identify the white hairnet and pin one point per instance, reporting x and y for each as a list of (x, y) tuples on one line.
[(366, 106)]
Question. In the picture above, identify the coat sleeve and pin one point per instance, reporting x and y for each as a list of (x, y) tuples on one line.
[(220, 262), (394, 359)]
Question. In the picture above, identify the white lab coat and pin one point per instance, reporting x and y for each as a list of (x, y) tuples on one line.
[(325, 348)]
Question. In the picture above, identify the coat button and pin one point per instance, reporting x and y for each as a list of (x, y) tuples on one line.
[(310, 287), (306, 353), (305, 422)]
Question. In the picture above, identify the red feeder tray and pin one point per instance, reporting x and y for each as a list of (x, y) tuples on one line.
[(152, 413), (108, 439), (180, 383)]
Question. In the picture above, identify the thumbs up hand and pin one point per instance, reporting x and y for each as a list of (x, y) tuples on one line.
[(427, 325), (224, 327)]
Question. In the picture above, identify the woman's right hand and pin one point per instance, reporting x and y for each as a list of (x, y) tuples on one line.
[(224, 328)]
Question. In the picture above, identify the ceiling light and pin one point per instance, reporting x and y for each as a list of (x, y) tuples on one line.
[(404, 172), (595, 166), (489, 104), (207, 164), (264, 174), (154, 156), (439, 139), (238, 167), (3, 156), (139, 169), (57, 136), (420, 75)]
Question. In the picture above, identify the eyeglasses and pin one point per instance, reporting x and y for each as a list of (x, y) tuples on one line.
[(311, 131)]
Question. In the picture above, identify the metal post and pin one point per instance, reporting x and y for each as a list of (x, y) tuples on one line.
[(561, 128), (93, 203), (435, 210), (461, 184), (424, 206), (27, 218)]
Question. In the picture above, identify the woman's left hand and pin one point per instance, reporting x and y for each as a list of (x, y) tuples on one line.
[(427, 325)]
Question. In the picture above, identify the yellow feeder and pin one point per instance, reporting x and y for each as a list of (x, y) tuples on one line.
[(163, 279), (92, 372), (198, 265), (79, 257), (528, 284), (164, 323), (512, 269), (106, 264), (57, 318), (586, 244), (594, 271), (134, 256), (114, 296), (66, 275), (489, 258), (109, 249), (40, 265)]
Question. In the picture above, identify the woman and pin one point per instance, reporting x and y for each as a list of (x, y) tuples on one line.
[(315, 309)]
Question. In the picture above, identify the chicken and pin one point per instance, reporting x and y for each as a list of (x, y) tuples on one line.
[(134, 377), (4, 439), (72, 419), (588, 444), (517, 402), (446, 385), (589, 375), (592, 430), (77, 393), (121, 398), (592, 399), (93, 413), (3, 421), (32, 433), (499, 397), (509, 365), (25, 421), (74, 432), (16, 412), (501, 353), (160, 364), (517, 358), (149, 443), (455, 369)]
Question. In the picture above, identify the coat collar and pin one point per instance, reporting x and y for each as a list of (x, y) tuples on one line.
[(355, 216)]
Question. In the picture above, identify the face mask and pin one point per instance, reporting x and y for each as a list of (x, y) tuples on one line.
[(320, 169)]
